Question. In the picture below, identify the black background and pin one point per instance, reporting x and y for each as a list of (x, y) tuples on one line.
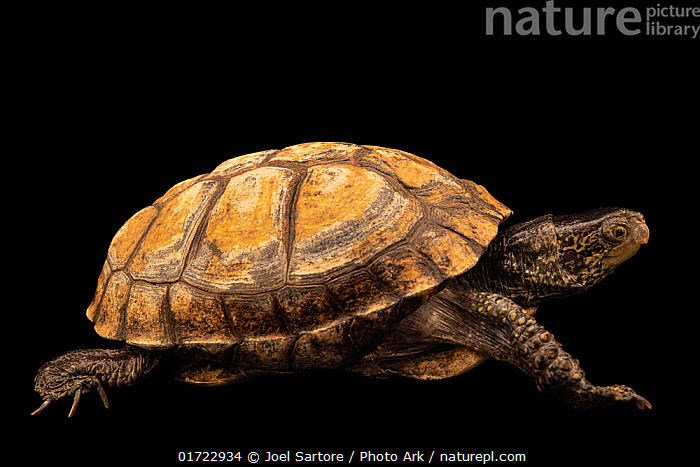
[(116, 107)]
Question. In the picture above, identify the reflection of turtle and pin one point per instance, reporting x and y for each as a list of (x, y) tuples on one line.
[(329, 255)]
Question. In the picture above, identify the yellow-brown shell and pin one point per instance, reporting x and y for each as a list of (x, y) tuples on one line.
[(298, 258)]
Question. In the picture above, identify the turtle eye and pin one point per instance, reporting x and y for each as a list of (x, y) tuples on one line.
[(615, 233)]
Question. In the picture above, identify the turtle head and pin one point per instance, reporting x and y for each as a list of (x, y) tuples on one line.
[(592, 244), (553, 256)]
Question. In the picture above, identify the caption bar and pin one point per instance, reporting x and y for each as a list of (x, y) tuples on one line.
[(254, 457)]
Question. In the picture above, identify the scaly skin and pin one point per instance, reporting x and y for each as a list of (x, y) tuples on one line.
[(557, 256), (80, 371), (500, 328)]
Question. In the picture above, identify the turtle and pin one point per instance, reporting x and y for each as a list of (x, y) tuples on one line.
[(336, 256)]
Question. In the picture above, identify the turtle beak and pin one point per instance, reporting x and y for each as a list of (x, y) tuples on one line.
[(640, 231)]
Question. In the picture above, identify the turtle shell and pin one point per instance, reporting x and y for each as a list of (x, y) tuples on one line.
[(304, 257)]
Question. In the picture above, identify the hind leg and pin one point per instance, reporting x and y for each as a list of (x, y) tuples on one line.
[(80, 371)]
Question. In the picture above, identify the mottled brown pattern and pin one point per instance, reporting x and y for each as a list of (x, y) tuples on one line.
[(243, 246), (108, 321), (198, 318), (127, 238), (300, 258), (145, 324), (253, 315), (161, 255), (345, 215)]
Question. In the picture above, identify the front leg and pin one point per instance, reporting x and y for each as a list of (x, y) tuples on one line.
[(495, 326), (80, 371)]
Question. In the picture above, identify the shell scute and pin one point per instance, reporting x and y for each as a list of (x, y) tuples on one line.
[(265, 352), (306, 307), (415, 173), (253, 315), (318, 153), (440, 244), (198, 318), (405, 271), (345, 215), (479, 229), (239, 164), (161, 255), (127, 238), (324, 348), (359, 292), (99, 292), (109, 320), (363, 329), (145, 323), (176, 190), (243, 247)]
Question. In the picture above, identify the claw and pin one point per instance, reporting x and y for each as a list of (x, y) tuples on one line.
[(103, 394), (76, 399), (643, 403), (41, 408), (627, 391)]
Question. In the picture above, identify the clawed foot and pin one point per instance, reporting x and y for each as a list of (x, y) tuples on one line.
[(80, 371), (77, 393), (624, 393), (603, 396), (72, 374)]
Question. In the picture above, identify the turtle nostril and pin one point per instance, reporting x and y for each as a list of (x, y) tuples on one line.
[(643, 234)]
